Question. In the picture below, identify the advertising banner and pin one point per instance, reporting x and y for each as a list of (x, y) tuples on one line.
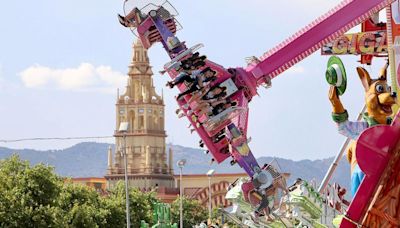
[(364, 43)]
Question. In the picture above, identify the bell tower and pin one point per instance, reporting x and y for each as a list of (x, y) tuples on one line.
[(144, 141)]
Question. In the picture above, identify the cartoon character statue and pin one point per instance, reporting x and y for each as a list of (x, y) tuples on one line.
[(378, 100)]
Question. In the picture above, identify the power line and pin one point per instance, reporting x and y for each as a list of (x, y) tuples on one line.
[(53, 138)]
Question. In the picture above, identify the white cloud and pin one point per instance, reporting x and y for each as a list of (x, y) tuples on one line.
[(85, 77), (297, 69)]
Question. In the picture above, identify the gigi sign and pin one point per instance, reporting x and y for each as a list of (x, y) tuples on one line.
[(365, 43)]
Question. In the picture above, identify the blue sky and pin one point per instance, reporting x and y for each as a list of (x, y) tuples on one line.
[(62, 61)]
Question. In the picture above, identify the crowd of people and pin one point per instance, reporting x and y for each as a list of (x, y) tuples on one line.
[(205, 98)]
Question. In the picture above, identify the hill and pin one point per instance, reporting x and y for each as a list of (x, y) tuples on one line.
[(90, 159)]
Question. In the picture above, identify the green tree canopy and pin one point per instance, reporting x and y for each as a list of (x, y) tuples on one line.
[(28, 196), (140, 203), (37, 197), (193, 212)]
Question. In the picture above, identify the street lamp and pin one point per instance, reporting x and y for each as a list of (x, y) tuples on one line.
[(123, 128), (210, 173), (181, 163)]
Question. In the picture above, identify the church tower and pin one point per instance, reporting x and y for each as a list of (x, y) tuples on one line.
[(144, 141)]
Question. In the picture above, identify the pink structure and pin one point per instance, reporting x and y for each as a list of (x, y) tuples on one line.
[(159, 26)]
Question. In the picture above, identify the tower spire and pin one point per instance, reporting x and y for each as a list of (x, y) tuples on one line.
[(144, 111)]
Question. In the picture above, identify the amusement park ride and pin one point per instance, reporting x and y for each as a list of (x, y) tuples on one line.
[(215, 101)]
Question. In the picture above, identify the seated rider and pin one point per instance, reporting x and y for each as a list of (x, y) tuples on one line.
[(204, 97), (213, 108), (193, 62), (188, 77), (205, 107), (203, 78), (222, 107), (216, 108), (207, 76), (215, 93), (207, 94)]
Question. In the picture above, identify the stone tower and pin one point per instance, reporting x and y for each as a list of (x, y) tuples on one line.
[(143, 109)]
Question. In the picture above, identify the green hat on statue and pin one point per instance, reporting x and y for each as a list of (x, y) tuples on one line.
[(336, 74)]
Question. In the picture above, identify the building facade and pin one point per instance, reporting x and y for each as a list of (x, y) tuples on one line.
[(97, 183), (144, 142), (196, 186)]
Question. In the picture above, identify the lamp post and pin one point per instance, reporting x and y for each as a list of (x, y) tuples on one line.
[(210, 173), (123, 128), (181, 163)]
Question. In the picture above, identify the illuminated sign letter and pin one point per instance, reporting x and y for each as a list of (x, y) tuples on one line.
[(382, 46), (367, 43), (340, 45)]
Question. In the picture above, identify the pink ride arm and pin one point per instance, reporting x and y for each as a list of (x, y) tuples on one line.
[(326, 28), (337, 21)]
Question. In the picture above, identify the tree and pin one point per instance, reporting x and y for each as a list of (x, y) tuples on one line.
[(83, 207), (37, 197), (193, 212), (140, 203), (28, 195)]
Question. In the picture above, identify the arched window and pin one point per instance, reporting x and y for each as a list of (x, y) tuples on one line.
[(161, 124), (131, 119), (141, 122), (156, 122)]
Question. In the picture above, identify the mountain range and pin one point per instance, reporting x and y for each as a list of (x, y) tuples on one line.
[(89, 159)]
